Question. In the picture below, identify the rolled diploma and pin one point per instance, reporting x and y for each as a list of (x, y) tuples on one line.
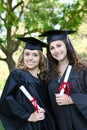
[(66, 78), (27, 94)]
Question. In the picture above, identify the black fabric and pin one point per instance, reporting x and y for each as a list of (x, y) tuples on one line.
[(71, 117), (32, 43), (15, 108), (53, 35)]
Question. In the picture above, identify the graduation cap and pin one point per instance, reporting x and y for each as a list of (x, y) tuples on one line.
[(32, 43), (53, 35)]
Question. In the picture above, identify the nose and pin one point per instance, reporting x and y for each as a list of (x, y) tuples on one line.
[(30, 57), (56, 49)]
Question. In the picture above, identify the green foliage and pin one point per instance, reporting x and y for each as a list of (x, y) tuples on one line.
[(1, 126), (12, 20), (2, 83), (45, 15), (1, 41), (33, 17), (2, 9)]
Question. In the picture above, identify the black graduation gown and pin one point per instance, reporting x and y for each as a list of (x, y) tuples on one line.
[(71, 117), (15, 108)]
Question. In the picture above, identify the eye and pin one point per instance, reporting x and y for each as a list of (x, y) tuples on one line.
[(58, 45), (51, 48), (35, 54)]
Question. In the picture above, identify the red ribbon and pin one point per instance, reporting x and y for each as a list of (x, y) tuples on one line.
[(34, 103), (67, 87)]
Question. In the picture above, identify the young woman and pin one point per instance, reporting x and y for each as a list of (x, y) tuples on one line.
[(17, 111), (70, 106)]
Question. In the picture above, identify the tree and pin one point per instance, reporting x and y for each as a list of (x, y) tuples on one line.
[(9, 20), (32, 17)]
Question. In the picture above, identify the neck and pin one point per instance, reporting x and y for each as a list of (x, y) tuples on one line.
[(63, 63), (34, 72), (62, 66)]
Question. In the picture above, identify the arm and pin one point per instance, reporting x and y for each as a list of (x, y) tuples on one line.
[(8, 105), (79, 94)]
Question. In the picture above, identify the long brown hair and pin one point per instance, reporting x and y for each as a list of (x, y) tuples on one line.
[(74, 59), (42, 64)]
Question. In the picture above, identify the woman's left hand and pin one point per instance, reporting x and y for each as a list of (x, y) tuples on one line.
[(63, 99)]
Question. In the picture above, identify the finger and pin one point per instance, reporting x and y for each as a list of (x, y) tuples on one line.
[(57, 95), (42, 118), (41, 115), (41, 110)]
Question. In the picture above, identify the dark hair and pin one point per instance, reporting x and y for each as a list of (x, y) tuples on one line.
[(74, 59)]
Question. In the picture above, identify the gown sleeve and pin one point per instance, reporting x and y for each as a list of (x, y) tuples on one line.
[(8, 104), (13, 113), (80, 97)]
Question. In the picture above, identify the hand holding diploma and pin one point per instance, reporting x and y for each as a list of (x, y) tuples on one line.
[(31, 99), (37, 116)]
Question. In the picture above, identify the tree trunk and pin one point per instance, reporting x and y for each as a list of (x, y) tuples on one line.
[(11, 63)]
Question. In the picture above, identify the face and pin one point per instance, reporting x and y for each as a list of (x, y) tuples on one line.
[(31, 59), (58, 50)]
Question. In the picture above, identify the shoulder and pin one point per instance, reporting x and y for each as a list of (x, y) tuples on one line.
[(16, 73), (79, 70), (82, 74), (83, 71)]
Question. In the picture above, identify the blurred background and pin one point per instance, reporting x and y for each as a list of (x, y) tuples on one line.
[(31, 18)]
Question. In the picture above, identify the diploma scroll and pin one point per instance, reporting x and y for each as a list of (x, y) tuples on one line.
[(31, 99), (66, 78)]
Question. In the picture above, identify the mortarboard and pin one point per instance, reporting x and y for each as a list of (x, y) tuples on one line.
[(32, 43), (53, 35)]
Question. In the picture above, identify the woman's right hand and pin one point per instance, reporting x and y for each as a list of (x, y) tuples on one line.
[(37, 115), (63, 99)]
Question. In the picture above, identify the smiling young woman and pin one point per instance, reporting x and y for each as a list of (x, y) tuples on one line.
[(17, 112), (70, 107)]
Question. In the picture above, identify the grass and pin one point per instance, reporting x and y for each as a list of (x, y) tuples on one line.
[(2, 83), (1, 126), (3, 75)]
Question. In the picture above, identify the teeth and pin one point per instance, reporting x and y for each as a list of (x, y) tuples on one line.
[(30, 63)]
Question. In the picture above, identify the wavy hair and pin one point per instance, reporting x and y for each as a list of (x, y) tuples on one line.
[(74, 59), (42, 64)]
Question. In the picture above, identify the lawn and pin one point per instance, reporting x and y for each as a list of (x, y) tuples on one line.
[(3, 76), (1, 126)]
